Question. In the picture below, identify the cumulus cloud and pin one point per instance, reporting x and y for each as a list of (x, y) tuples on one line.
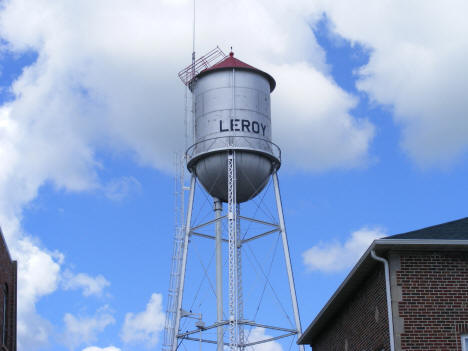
[(144, 327), (87, 92), (95, 348), (38, 275), (336, 256), (416, 66), (105, 82), (85, 329), (119, 188), (258, 334), (90, 285), (312, 118)]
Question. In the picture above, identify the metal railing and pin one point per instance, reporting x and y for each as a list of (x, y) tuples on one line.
[(234, 143), (202, 63)]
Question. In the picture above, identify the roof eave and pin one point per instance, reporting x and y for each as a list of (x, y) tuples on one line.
[(421, 242)]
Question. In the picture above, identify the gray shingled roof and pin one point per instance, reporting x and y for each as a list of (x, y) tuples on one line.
[(454, 230)]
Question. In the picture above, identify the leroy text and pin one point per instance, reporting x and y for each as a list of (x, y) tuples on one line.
[(242, 125)]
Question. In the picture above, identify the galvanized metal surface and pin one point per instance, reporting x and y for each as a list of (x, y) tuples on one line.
[(183, 265), (218, 209), (188, 73), (240, 290), (176, 261), (232, 103), (232, 112), (287, 258), (232, 255), (286, 332), (233, 158), (252, 172), (236, 323)]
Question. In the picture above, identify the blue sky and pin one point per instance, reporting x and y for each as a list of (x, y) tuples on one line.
[(369, 111)]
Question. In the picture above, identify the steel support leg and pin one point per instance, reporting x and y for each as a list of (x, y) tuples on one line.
[(188, 225), (287, 258), (218, 209), (240, 296)]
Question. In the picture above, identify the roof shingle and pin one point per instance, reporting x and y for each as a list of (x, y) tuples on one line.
[(454, 230)]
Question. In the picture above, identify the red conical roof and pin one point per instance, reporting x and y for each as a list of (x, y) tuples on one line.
[(231, 62)]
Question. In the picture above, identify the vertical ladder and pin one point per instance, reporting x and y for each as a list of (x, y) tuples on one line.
[(177, 252)]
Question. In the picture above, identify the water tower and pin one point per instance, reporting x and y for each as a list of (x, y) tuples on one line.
[(233, 158)]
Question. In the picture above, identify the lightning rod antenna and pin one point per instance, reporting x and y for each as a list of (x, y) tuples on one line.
[(193, 34), (193, 71)]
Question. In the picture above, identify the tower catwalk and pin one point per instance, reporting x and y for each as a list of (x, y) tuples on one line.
[(233, 158)]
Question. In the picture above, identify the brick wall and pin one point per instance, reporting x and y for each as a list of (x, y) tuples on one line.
[(434, 300), (362, 323), (8, 271)]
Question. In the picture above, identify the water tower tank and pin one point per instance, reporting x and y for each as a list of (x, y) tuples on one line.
[(232, 112)]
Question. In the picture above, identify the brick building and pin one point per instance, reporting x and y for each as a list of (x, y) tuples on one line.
[(8, 269), (424, 275)]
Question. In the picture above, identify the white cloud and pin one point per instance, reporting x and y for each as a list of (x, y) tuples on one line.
[(38, 275), (258, 334), (144, 327), (73, 101), (311, 116), (95, 348), (417, 66), (105, 82), (90, 285), (335, 256), (33, 331), (85, 329), (119, 188)]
